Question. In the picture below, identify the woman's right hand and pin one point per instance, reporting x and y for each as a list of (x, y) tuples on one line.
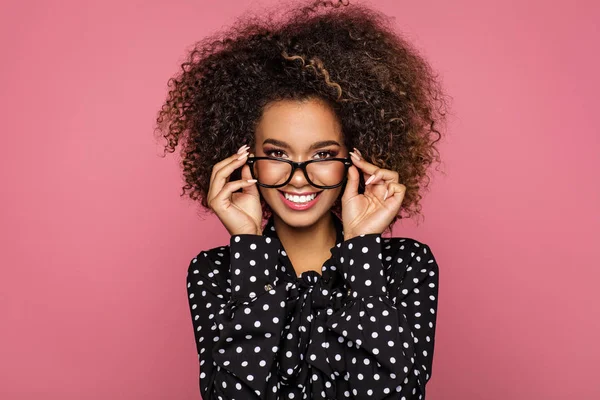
[(240, 213)]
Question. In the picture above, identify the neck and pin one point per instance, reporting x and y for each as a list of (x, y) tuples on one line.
[(307, 247)]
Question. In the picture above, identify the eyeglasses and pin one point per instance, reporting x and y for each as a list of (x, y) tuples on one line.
[(273, 172)]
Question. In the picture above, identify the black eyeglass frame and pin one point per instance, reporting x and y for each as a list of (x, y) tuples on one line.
[(302, 165)]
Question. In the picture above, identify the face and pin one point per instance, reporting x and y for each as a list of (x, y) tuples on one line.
[(299, 131)]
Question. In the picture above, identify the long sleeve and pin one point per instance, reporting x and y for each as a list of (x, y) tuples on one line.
[(237, 306), (385, 328)]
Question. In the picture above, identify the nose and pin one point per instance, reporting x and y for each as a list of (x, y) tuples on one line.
[(298, 178)]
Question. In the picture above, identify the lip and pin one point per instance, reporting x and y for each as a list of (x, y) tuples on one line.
[(298, 194), (299, 207)]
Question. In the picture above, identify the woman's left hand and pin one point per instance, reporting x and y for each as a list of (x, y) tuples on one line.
[(374, 210)]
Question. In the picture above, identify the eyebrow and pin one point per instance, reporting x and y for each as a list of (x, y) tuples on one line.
[(315, 145)]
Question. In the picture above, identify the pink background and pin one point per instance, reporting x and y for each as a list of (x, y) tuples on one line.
[(96, 241)]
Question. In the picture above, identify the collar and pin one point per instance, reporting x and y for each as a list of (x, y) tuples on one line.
[(307, 277), (269, 229)]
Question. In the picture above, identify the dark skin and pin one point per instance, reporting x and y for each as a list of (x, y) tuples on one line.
[(303, 130), (308, 235), (305, 250)]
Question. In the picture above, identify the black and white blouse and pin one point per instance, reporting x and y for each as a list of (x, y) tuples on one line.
[(362, 329)]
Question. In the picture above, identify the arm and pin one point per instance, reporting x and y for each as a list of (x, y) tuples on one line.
[(385, 351), (237, 327)]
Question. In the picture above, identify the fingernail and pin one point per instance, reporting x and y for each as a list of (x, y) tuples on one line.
[(355, 149), (243, 155), (385, 195), (251, 180), (357, 158), (370, 179), (241, 149)]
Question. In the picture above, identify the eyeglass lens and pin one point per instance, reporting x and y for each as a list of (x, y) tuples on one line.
[(322, 173)]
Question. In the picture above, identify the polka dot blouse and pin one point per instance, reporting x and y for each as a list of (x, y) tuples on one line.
[(362, 329)]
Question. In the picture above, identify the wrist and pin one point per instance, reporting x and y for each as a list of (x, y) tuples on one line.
[(245, 233), (349, 235), (359, 259), (253, 265)]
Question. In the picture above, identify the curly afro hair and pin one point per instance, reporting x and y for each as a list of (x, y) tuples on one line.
[(388, 100)]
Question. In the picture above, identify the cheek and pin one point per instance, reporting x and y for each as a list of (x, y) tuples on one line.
[(268, 193), (334, 193)]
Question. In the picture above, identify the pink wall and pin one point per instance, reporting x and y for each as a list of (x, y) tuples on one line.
[(96, 241)]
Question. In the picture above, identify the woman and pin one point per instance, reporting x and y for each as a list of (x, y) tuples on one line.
[(316, 303)]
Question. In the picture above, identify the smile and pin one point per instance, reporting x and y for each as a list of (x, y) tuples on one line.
[(299, 202)]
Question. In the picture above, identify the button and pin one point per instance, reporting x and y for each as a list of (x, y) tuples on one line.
[(268, 287), (349, 290)]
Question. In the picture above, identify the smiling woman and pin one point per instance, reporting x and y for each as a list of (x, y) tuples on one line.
[(305, 134), (386, 98), (316, 303)]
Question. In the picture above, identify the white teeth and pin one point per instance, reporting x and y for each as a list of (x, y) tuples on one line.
[(300, 199)]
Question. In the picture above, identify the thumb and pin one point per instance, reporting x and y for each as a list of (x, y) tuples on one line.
[(351, 189), (246, 175)]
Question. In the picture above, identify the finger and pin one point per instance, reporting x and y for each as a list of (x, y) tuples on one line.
[(246, 175), (222, 170), (394, 193), (351, 189), (228, 160), (356, 157), (382, 176), (223, 199), (375, 178), (369, 170)]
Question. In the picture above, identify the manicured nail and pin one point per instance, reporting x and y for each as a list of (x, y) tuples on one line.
[(251, 180), (242, 149), (243, 155), (385, 195), (357, 158), (370, 180), (355, 149)]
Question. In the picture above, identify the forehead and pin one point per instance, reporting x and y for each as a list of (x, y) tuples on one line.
[(299, 123)]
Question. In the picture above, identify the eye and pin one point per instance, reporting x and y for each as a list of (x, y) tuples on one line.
[(280, 153), (328, 153), (270, 153)]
